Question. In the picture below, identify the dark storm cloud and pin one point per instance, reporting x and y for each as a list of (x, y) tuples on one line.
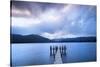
[(18, 8)]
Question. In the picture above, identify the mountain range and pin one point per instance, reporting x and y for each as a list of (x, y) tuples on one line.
[(15, 38)]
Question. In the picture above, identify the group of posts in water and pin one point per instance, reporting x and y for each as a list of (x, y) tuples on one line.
[(54, 49)]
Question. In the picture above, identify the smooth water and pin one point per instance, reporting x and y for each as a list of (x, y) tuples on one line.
[(39, 53)]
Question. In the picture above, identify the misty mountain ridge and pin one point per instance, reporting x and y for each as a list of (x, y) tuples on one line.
[(33, 38)]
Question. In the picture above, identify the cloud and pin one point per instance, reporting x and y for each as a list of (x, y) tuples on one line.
[(50, 16), (27, 14), (53, 20), (21, 12)]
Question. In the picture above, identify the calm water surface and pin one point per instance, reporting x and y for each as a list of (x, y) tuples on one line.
[(39, 53)]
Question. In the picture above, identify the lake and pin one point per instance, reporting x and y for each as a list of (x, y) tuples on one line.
[(39, 53)]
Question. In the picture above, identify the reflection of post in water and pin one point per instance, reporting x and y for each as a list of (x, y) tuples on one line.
[(50, 50), (53, 51), (60, 47), (65, 50), (62, 50)]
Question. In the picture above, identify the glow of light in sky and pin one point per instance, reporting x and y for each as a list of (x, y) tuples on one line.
[(24, 22), (57, 35)]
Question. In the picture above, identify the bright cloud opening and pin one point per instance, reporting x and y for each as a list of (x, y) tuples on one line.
[(58, 35)]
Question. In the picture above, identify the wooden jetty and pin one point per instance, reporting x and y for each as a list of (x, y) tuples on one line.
[(57, 52)]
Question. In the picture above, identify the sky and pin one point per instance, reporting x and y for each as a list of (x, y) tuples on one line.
[(53, 20)]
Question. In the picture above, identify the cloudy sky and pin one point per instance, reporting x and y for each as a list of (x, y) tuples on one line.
[(53, 20)]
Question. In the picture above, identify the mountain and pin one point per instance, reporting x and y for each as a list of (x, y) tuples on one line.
[(15, 38), (77, 39)]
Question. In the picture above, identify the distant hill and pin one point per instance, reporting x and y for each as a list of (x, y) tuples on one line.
[(77, 39), (15, 38), (28, 39)]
